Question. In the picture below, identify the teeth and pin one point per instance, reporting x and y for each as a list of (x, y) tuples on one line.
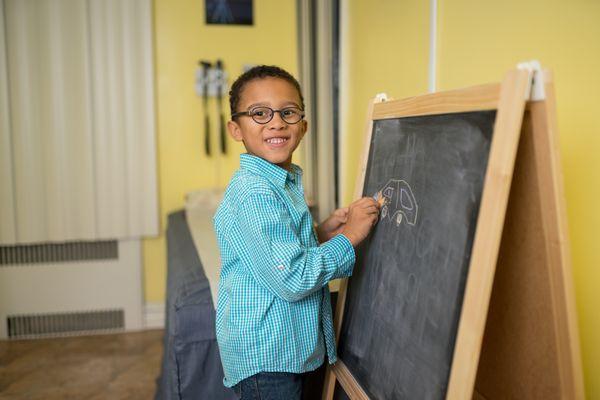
[(276, 140)]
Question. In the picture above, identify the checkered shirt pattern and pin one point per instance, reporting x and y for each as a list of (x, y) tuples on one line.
[(274, 307)]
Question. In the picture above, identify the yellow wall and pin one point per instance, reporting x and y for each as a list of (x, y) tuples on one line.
[(565, 37), (387, 51), (182, 38), (478, 42)]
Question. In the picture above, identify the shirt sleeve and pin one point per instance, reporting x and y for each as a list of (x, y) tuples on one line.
[(270, 247)]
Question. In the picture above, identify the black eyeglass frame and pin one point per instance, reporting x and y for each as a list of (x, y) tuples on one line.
[(250, 114)]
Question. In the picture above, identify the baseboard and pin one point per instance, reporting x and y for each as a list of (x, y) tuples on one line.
[(154, 315)]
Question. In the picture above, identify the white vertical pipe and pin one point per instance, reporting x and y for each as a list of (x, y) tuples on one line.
[(433, 46), (344, 104), (8, 232), (148, 197), (326, 199), (306, 78)]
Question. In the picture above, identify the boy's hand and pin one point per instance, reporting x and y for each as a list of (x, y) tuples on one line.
[(332, 225), (362, 216)]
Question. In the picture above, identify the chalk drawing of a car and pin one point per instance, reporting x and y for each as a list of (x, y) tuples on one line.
[(400, 203)]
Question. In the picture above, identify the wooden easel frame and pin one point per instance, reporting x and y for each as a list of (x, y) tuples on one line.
[(510, 99)]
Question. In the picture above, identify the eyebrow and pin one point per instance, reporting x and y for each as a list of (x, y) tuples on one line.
[(262, 104)]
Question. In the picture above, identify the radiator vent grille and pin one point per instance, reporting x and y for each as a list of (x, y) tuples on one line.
[(64, 324), (59, 252)]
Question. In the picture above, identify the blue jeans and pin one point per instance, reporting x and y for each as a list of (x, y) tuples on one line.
[(270, 386)]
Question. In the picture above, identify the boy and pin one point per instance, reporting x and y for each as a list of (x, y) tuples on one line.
[(274, 319)]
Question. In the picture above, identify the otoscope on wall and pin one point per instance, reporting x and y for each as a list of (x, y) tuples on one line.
[(205, 65), (211, 80), (220, 80)]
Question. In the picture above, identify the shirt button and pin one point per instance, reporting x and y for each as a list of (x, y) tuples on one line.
[(281, 267)]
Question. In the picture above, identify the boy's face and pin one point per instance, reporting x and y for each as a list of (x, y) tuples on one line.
[(276, 140)]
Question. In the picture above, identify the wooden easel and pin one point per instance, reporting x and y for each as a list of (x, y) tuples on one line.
[(517, 336)]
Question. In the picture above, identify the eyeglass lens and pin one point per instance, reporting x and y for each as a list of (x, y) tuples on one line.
[(263, 115)]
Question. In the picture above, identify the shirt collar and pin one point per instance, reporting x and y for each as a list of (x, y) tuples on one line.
[(274, 173)]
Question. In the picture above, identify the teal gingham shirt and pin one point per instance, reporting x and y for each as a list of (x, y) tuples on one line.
[(274, 308)]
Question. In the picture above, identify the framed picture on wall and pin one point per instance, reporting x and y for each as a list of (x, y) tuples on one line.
[(228, 12)]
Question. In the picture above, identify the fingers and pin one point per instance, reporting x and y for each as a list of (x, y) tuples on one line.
[(366, 206), (362, 216), (366, 214), (341, 212), (373, 218), (365, 202), (340, 216), (371, 208)]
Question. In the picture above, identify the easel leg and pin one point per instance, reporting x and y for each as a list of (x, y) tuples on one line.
[(329, 386)]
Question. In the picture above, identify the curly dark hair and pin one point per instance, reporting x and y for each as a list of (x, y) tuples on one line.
[(260, 72)]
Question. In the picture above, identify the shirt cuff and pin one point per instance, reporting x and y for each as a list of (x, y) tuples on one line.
[(341, 251)]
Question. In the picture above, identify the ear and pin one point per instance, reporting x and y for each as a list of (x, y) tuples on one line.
[(235, 131), (304, 127)]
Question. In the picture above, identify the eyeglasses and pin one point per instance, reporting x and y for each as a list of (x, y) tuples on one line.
[(264, 115)]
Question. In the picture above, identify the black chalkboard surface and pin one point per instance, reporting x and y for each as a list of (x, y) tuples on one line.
[(404, 299)]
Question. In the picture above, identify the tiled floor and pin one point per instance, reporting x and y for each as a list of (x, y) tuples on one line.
[(116, 366)]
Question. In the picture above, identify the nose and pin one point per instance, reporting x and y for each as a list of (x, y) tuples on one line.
[(277, 122)]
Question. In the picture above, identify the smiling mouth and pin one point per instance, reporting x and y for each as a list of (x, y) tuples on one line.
[(276, 140)]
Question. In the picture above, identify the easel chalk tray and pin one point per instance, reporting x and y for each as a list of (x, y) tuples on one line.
[(464, 289)]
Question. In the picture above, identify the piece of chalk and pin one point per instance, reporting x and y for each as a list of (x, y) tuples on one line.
[(379, 198)]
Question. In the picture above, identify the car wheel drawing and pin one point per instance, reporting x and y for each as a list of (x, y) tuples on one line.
[(384, 212)]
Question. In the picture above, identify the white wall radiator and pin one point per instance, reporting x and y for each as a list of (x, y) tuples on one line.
[(61, 289)]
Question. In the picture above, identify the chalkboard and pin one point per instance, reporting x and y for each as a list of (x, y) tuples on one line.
[(404, 299)]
